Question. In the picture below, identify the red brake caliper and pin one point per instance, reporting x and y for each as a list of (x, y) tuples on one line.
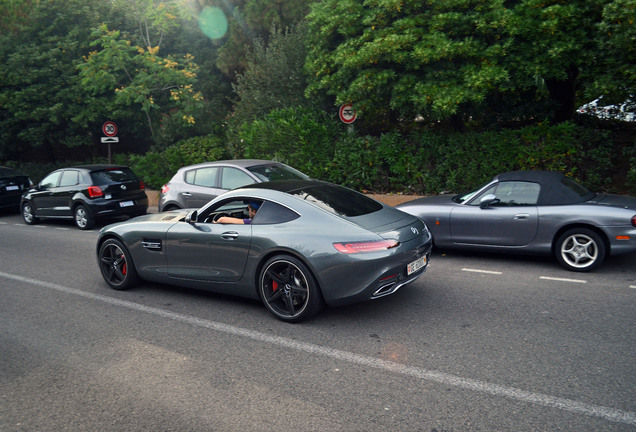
[(123, 268), (274, 285)]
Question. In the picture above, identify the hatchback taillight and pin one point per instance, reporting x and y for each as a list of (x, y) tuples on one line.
[(164, 189), (95, 192), (142, 186), (370, 246)]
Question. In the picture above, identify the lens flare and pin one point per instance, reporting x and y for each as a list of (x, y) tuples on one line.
[(213, 22)]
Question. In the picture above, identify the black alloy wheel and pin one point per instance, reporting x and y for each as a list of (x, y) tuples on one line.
[(116, 265), (289, 290)]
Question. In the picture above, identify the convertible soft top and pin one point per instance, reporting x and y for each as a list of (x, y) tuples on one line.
[(556, 187)]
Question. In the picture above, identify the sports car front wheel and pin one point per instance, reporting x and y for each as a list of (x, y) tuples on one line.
[(116, 265), (288, 289), (580, 250)]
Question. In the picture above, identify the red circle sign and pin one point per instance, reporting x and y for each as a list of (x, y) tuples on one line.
[(109, 128), (347, 113)]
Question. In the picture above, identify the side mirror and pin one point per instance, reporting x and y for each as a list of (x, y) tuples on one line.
[(488, 200), (192, 217)]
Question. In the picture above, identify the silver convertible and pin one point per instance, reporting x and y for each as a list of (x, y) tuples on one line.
[(309, 243), (532, 212)]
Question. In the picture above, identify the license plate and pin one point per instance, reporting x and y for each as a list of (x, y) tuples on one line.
[(10, 188), (416, 265), (126, 204)]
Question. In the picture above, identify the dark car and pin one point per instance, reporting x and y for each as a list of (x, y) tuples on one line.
[(533, 212), (193, 186), (12, 186), (310, 243), (85, 194)]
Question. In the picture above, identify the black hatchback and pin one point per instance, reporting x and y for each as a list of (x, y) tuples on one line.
[(86, 193)]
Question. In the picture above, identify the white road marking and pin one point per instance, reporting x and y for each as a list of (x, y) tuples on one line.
[(481, 271), (633, 286), (563, 279), (606, 413)]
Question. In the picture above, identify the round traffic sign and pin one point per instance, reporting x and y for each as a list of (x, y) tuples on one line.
[(109, 128), (347, 113)]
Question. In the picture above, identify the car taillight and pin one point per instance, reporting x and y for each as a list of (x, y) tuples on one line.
[(95, 191), (164, 189), (634, 220), (370, 246), (142, 186)]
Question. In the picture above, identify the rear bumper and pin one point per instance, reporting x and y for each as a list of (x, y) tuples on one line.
[(112, 208)]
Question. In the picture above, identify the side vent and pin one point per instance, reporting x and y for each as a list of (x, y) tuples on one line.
[(152, 245)]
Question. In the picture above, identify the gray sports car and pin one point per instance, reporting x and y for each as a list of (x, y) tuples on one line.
[(310, 243), (532, 212)]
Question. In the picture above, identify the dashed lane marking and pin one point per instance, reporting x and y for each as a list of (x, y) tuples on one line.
[(563, 279), (482, 271)]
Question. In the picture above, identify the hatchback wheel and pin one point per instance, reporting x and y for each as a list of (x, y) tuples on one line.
[(116, 265), (83, 219), (580, 250), (288, 289), (28, 214)]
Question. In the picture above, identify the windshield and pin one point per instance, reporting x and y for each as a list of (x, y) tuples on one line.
[(466, 197), (273, 172)]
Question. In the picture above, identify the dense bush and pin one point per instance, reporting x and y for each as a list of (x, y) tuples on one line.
[(422, 163)]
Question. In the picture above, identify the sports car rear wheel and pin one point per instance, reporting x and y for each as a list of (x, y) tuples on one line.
[(116, 265), (288, 289), (580, 250)]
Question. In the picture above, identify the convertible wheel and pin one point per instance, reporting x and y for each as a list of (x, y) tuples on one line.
[(83, 219), (28, 215), (116, 265), (288, 289), (580, 250)]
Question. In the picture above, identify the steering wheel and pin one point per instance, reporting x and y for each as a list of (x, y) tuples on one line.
[(218, 216)]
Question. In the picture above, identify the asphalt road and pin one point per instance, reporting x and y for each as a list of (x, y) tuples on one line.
[(478, 343)]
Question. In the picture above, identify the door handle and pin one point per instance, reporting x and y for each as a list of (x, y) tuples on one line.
[(229, 235), (186, 194), (522, 216)]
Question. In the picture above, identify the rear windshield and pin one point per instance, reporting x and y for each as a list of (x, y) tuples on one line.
[(273, 172), (338, 200), (113, 175)]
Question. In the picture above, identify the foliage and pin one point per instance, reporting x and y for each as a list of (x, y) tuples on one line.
[(274, 77), (43, 110), (301, 137), (157, 167), (137, 75), (456, 59)]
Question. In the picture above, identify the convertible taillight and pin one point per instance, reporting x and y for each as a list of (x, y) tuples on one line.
[(370, 246), (95, 192)]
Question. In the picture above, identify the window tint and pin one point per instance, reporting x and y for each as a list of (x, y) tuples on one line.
[(338, 200), (113, 175), (273, 172), (50, 180), (273, 213), (233, 178), (202, 176), (70, 178)]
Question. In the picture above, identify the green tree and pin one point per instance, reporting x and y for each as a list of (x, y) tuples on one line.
[(274, 77), (136, 75), (43, 110)]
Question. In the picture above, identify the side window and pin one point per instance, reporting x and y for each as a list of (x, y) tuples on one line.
[(272, 213), (50, 180), (491, 190), (203, 177), (69, 178), (233, 178), (517, 193)]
